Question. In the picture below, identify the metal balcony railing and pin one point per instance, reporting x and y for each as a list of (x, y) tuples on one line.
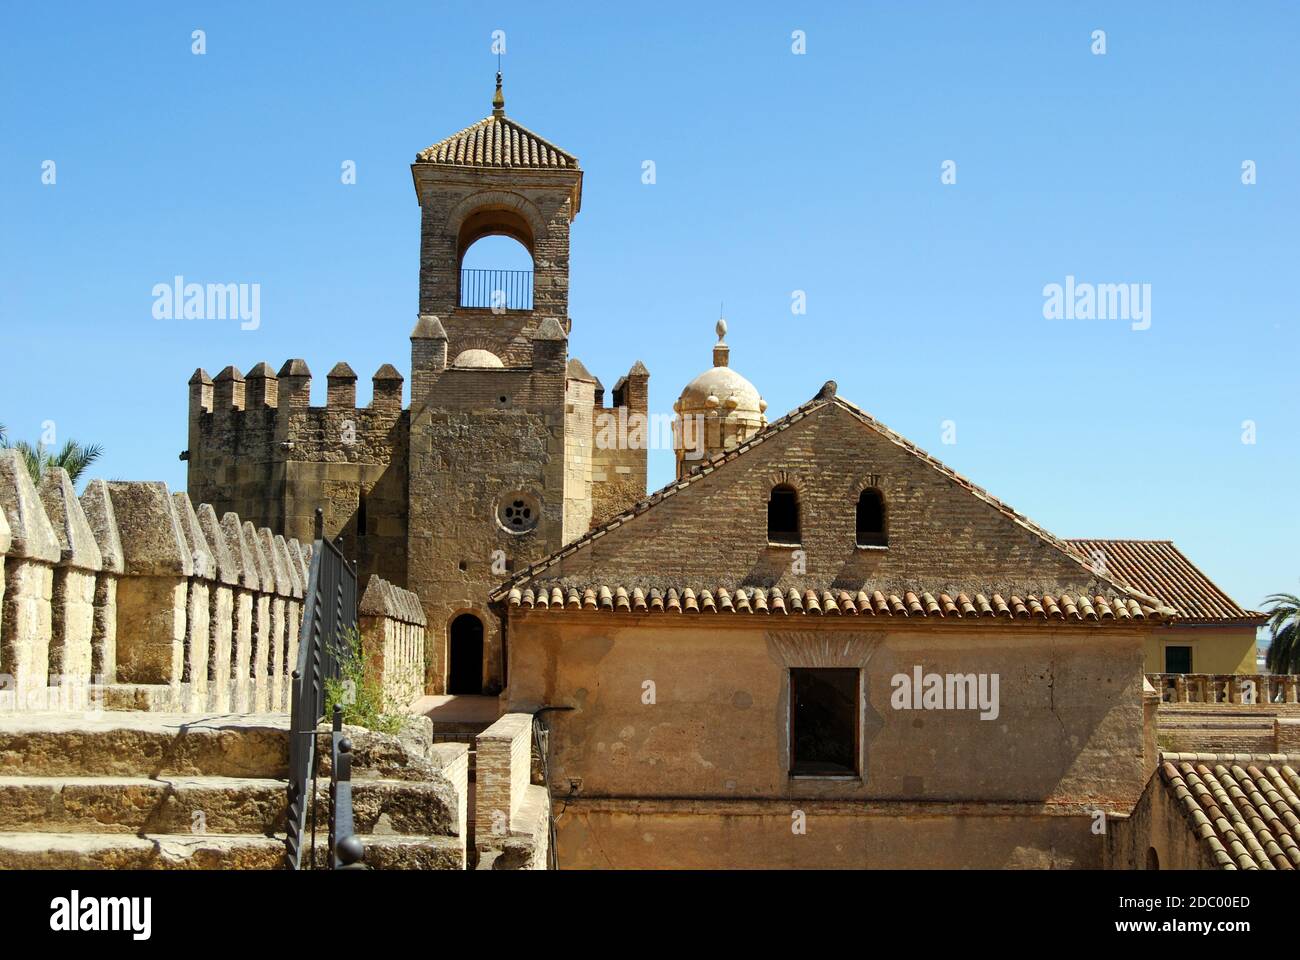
[(497, 289)]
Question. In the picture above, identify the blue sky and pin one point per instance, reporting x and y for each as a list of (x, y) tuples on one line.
[(775, 172)]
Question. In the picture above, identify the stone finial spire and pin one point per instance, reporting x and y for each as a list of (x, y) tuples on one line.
[(498, 99), (721, 352)]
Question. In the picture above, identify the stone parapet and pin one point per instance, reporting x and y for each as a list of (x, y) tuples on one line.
[(128, 597), (392, 625)]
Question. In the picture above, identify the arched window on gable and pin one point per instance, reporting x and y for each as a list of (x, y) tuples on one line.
[(871, 519), (783, 516)]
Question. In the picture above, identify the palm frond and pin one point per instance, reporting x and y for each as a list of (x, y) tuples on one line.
[(75, 458), (1284, 633)]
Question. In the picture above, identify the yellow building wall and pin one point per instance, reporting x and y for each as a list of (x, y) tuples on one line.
[(1214, 649)]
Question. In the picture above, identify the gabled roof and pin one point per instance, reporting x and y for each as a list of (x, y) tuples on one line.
[(825, 398), (1159, 568), (498, 141), (1243, 808)]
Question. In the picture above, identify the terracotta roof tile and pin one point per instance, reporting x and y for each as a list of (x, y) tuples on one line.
[(622, 599), (1159, 568), (1243, 808), (497, 142)]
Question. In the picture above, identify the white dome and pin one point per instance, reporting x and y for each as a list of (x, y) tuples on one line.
[(477, 358), (721, 387)]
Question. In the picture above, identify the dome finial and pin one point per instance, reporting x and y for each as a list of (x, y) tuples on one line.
[(498, 99), (721, 352)]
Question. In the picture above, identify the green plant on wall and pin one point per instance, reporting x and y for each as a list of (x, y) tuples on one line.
[(358, 690)]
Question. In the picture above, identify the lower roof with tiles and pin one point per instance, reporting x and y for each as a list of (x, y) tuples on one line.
[(777, 602), (1159, 568), (1243, 808)]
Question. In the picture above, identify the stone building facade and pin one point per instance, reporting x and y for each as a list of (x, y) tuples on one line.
[(494, 462), (719, 664)]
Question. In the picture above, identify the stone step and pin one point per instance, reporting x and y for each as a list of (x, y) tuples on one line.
[(210, 805), (405, 853), (143, 745), (98, 851)]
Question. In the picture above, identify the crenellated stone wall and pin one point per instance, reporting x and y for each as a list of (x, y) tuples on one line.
[(258, 448), (129, 598)]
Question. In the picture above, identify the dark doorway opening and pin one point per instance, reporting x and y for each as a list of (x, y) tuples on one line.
[(465, 646)]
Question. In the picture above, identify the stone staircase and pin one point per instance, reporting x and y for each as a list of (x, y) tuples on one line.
[(166, 791)]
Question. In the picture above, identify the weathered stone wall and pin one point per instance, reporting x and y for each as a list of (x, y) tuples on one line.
[(26, 622), (129, 598), (1069, 735), (392, 625), (466, 455), (618, 469), (751, 835), (1156, 835), (534, 206), (257, 448), (579, 451)]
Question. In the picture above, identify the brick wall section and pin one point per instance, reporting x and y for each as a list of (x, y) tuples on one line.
[(942, 537), (535, 206), (503, 764)]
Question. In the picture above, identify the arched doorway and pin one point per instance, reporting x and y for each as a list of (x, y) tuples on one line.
[(465, 653)]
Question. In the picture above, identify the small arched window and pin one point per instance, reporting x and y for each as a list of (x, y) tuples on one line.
[(871, 519), (783, 515)]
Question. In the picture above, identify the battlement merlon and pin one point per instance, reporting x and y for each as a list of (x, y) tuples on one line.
[(633, 390), (262, 414)]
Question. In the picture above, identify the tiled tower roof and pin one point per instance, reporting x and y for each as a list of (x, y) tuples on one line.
[(498, 141)]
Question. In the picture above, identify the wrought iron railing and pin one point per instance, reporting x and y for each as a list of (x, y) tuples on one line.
[(346, 849), (497, 289), (329, 621)]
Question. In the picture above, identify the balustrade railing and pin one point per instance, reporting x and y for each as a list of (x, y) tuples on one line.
[(1241, 688)]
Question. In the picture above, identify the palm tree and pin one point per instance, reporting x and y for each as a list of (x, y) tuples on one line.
[(72, 457), (1284, 627)]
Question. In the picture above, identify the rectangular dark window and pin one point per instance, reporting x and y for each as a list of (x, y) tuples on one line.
[(823, 721), (1178, 659)]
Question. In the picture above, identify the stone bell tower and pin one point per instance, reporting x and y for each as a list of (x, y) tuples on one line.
[(495, 178), (486, 474)]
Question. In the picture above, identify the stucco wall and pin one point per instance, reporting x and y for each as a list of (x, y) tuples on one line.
[(1214, 649), (1069, 733)]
